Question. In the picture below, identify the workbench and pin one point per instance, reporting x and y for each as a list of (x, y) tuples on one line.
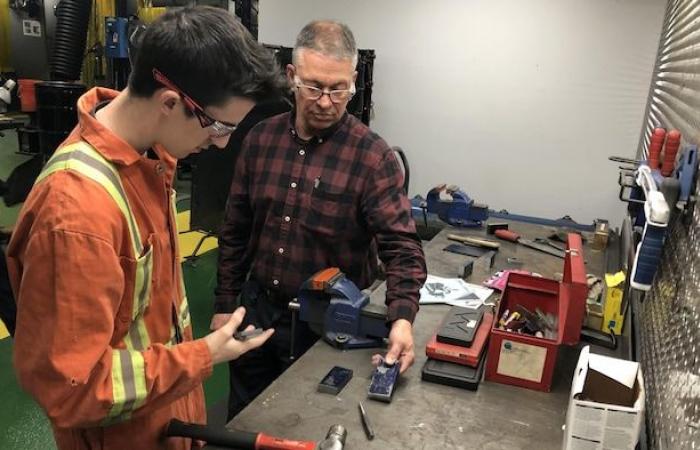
[(425, 415)]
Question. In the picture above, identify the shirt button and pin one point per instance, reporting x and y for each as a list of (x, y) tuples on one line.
[(302, 152), (159, 169), (294, 185), (320, 141), (275, 282), (280, 250), (287, 218)]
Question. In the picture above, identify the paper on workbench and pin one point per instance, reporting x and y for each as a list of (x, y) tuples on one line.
[(453, 291)]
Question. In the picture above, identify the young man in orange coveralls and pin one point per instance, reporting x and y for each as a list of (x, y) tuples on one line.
[(103, 340)]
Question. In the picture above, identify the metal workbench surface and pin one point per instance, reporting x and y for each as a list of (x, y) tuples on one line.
[(424, 415)]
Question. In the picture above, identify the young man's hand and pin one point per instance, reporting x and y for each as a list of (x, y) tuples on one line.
[(219, 320), (224, 347), (401, 344)]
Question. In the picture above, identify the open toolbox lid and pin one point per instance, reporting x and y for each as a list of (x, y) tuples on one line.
[(573, 290)]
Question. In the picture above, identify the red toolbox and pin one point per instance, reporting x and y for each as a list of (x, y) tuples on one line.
[(525, 360)]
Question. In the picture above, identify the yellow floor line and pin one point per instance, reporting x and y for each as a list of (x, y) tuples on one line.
[(3, 331), (188, 241)]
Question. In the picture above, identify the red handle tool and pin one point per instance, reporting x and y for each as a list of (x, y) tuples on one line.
[(657, 142), (265, 442), (507, 235), (233, 438), (673, 141)]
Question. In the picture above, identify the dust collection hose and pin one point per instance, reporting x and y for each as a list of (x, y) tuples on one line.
[(72, 18)]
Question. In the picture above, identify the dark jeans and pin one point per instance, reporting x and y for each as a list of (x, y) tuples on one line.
[(250, 374)]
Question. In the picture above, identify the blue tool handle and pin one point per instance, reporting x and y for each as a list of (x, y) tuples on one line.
[(648, 256)]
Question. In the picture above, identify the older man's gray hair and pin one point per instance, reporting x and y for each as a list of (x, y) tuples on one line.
[(328, 37)]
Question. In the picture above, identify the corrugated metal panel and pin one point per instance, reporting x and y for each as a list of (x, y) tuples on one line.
[(670, 312), (674, 97)]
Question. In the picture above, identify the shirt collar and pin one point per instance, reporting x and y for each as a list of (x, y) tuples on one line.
[(320, 137), (108, 144)]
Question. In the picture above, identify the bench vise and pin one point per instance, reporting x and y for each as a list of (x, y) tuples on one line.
[(336, 309), (460, 211)]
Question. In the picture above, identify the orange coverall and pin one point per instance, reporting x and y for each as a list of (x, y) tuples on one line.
[(104, 341)]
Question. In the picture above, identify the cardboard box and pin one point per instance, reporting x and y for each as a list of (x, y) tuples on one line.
[(606, 404), (612, 314)]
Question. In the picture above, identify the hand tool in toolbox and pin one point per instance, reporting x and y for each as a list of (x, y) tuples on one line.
[(336, 309), (467, 356), (473, 240), (512, 236), (460, 210), (524, 321), (451, 374), (459, 326), (656, 214), (244, 440)]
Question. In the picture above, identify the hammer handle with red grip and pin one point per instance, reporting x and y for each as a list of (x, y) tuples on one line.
[(507, 235), (265, 442), (673, 141), (233, 438), (657, 143)]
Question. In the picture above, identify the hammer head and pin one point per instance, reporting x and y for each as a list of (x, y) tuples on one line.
[(335, 438)]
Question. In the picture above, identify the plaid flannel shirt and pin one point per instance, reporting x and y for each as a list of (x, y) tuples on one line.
[(296, 207)]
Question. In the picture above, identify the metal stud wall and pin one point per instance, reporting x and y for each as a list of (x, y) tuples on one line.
[(669, 315)]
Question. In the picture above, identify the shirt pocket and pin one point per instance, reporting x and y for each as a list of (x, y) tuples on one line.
[(138, 279), (331, 212)]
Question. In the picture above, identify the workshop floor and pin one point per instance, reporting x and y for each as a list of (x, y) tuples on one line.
[(23, 425)]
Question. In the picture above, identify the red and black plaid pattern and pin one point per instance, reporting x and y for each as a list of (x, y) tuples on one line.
[(296, 207)]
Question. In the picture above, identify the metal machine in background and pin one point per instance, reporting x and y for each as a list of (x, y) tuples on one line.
[(48, 40), (116, 51), (32, 29)]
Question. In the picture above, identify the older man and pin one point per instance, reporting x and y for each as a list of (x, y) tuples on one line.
[(314, 188)]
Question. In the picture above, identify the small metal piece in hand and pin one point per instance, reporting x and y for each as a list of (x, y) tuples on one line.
[(247, 334), (383, 379)]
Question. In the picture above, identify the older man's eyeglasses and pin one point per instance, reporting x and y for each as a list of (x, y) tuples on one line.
[(214, 127), (314, 93)]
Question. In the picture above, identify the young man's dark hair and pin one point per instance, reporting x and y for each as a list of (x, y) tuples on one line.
[(228, 61)]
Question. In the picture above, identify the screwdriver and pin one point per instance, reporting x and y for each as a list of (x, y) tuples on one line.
[(369, 431), (657, 142), (673, 141)]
